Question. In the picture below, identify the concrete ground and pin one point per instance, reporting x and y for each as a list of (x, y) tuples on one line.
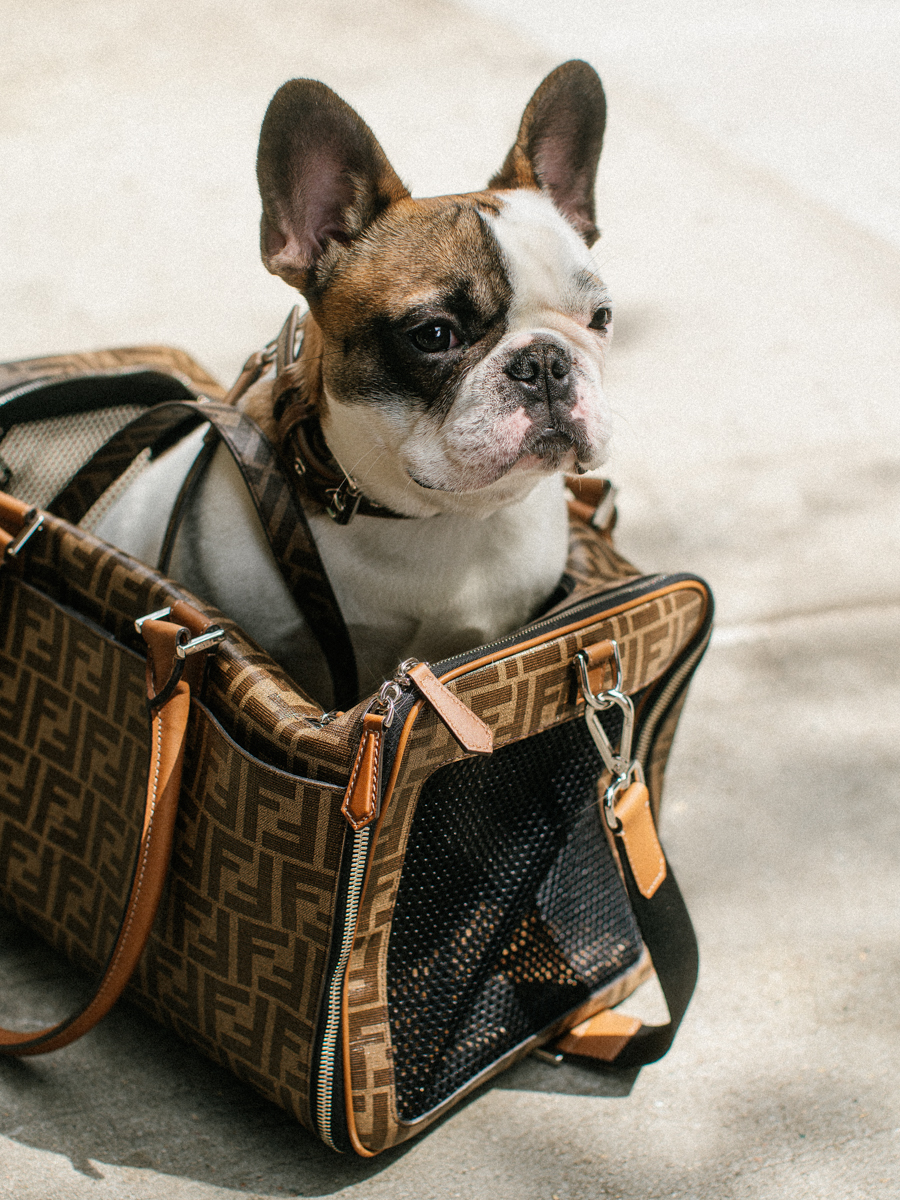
[(750, 202)]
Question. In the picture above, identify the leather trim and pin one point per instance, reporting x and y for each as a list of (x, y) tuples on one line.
[(638, 835), (600, 670), (469, 730), (602, 1036), (168, 730), (361, 806)]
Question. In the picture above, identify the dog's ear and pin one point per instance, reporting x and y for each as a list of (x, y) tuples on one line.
[(322, 177), (559, 143)]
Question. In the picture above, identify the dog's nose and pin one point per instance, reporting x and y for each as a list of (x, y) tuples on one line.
[(541, 372)]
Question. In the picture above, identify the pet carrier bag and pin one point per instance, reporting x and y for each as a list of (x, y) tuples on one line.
[(364, 914)]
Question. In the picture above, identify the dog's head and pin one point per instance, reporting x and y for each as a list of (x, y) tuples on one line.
[(456, 344)]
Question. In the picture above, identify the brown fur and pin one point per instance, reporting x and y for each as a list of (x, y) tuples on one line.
[(338, 223)]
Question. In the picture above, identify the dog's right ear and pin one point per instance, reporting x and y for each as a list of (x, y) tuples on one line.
[(323, 178)]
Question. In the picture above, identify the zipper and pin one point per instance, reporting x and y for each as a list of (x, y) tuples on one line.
[(328, 1051), (563, 617), (667, 696)]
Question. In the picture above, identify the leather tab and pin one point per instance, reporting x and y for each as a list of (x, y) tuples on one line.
[(468, 730), (638, 836), (363, 794), (255, 366), (601, 666), (602, 1036), (13, 518)]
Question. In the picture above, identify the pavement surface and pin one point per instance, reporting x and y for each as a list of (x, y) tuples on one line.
[(750, 202)]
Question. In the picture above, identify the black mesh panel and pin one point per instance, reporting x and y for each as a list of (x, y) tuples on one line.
[(510, 911)]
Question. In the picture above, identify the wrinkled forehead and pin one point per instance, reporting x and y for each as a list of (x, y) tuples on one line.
[(488, 253), (434, 254)]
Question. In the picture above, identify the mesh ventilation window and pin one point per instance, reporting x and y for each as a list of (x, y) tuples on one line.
[(510, 911), (40, 457)]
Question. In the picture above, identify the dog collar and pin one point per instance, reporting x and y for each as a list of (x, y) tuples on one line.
[(320, 476), (311, 466)]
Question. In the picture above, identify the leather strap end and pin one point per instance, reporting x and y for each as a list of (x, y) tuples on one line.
[(639, 838), (363, 795), (602, 1036), (472, 734)]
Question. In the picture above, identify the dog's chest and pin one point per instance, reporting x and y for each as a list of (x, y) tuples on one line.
[(420, 588)]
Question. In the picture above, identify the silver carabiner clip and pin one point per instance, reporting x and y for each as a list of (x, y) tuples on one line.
[(617, 760)]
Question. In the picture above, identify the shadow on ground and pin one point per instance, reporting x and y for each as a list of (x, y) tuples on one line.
[(133, 1094)]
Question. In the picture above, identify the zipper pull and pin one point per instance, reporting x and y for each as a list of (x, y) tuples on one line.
[(469, 731), (363, 795)]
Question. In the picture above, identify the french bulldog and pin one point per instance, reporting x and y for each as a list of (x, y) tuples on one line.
[(452, 355)]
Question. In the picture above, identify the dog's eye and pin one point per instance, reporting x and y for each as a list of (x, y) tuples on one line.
[(434, 337), (600, 319)]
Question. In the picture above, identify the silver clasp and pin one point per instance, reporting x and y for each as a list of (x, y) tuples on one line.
[(32, 522), (344, 501), (185, 645), (386, 700), (618, 761)]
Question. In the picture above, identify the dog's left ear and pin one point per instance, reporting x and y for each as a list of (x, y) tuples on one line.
[(559, 142)]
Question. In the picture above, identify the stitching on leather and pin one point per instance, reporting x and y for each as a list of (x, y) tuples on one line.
[(661, 873), (345, 807), (374, 792), (139, 881)]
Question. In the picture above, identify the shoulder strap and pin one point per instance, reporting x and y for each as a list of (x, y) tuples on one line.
[(281, 516), (169, 696)]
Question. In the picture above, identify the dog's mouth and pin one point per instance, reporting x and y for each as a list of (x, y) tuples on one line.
[(546, 451)]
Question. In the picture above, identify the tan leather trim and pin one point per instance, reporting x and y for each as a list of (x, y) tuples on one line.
[(561, 631), (468, 730), (360, 805), (161, 638), (601, 671), (638, 835), (602, 1036), (12, 517)]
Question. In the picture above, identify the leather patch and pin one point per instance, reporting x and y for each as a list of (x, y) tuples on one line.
[(468, 730), (638, 835), (602, 1036), (601, 666), (361, 798)]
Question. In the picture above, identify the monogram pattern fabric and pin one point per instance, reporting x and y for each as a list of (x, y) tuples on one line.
[(236, 961), (74, 749), (237, 957), (68, 366), (518, 696)]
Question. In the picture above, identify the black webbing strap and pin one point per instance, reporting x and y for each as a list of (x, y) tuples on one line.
[(669, 936), (281, 515)]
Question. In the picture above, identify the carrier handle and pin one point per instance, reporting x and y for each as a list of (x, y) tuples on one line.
[(281, 515), (168, 728)]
